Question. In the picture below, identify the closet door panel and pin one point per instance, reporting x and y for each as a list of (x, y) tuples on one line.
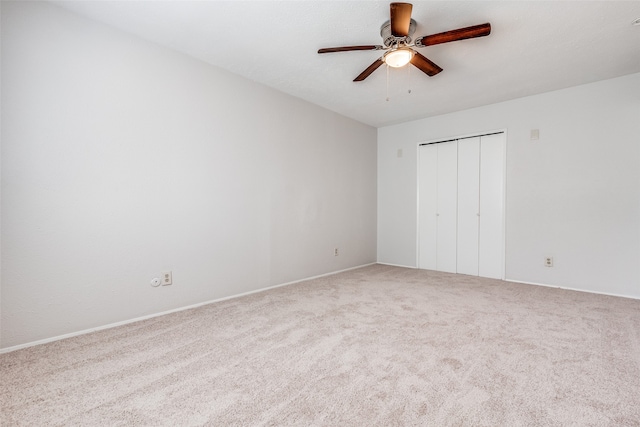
[(427, 206), (447, 201), (491, 206), (468, 205)]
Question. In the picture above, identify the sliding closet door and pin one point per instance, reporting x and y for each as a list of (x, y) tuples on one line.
[(437, 206), (447, 206), (427, 206), (491, 237), (461, 206), (468, 205)]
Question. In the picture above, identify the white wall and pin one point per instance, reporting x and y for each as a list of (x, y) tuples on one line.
[(574, 194), (122, 159)]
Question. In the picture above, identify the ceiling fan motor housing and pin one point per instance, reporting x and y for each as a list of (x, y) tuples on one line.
[(390, 40)]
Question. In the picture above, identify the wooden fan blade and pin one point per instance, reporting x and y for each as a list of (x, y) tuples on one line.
[(349, 48), (454, 35), (400, 19), (425, 65), (370, 69)]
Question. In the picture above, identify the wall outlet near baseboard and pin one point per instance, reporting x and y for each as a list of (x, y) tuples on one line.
[(548, 261), (335, 252), (166, 278)]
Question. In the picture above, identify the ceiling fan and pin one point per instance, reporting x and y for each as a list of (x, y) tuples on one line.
[(397, 44)]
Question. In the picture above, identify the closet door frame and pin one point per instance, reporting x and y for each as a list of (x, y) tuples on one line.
[(503, 190)]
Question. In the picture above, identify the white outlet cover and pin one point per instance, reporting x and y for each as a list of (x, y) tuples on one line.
[(167, 278)]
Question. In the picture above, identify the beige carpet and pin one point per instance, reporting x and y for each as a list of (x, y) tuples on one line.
[(380, 345)]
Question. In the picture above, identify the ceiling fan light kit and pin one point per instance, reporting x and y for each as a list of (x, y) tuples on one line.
[(396, 35), (398, 57)]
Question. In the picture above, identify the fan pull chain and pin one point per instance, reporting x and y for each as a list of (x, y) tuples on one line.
[(387, 83), (409, 78)]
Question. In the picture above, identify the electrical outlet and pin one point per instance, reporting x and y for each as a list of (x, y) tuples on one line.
[(335, 251), (548, 261), (166, 278)]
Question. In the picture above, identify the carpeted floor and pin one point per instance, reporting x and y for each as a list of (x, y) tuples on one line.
[(376, 346)]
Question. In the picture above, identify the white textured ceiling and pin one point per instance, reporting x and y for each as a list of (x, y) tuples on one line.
[(534, 47)]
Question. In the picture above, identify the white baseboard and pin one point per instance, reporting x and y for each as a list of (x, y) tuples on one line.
[(538, 284), (573, 289), (150, 316), (396, 265)]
